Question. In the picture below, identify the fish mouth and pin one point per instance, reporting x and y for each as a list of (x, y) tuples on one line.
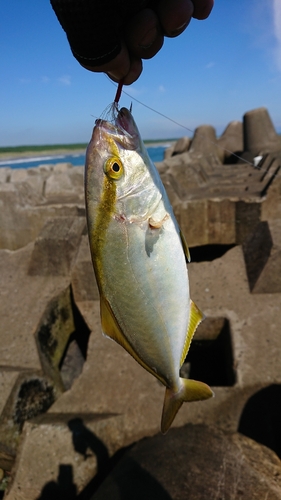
[(125, 121), (122, 129)]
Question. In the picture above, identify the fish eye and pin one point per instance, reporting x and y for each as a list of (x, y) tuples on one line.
[(113, 168)]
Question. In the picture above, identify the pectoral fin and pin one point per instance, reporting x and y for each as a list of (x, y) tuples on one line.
[(195, 318), (111, 328), (156, 224)]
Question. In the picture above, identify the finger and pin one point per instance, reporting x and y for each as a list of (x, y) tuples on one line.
[(202, 8), (143, 35), (133, 73), (118, 68), (174, 16)]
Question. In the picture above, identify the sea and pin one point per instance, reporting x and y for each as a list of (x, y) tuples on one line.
[(156, 153)]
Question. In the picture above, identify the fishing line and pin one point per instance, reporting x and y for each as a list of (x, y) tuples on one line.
[(190, 130), (117, 98)]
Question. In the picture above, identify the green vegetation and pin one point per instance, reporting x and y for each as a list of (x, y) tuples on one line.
[(160, 141), (44, 147), (55, 147)]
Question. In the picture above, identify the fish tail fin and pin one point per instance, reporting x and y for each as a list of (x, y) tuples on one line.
[(191, 390)]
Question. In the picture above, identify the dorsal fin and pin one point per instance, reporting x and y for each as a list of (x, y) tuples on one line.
[(195, 318), (185, 247)]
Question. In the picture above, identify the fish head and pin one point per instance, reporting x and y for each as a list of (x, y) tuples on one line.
[(117, 161)]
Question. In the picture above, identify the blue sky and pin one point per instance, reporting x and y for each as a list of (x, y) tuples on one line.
[(212, 74)]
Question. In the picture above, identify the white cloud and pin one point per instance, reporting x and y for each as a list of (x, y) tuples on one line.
[(276, 6), (161, 88), (45, 79), (24, 81), (132, 91), (210, 65), (65, 80), (262, 22)]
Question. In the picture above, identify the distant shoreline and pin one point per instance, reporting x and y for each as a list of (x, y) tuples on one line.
[(25, 152), (44, 152)]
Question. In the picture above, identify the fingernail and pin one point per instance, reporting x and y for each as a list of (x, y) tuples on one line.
[(114, 76), (149, 39), (178, 30)]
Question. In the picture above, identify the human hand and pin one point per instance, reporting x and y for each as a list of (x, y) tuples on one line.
[(114, 37)]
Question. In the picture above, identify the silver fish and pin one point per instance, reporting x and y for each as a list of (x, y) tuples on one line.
[(139, 257)]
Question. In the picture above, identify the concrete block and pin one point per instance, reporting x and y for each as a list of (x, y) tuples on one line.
[(60, 185), (24, 194), (220, 289), (18, 175), (187, 177), (7, 460), (193, 221), (52, 335), (46, 168), (83, 279), (259, 132), (76, 175), (194, 462), (7, 381), (181, 145), (36, 182), (168, 153), (31, 395), (247, 216), (271, 205), (23, 301), (62, 167), (57, 184), (204, 141), (75, 447), (5, 174), (56, 246), (262, 253), (18, 220), (206, 222), (221, 222), (231, 141)]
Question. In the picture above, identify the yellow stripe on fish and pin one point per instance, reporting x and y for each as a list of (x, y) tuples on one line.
[(97, 237)]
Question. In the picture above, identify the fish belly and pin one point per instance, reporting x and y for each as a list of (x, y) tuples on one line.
[(146, 284)]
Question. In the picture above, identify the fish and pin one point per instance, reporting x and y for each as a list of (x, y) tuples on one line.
[(140, 259)]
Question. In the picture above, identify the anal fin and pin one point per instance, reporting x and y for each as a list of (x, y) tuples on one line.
[(111, 328)]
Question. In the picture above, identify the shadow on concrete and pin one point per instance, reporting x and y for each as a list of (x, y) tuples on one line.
[(75, 353), (129, 481), (119, 477), (261, 417), (63, 488), (211, 356), (83, 439), (208, 253)]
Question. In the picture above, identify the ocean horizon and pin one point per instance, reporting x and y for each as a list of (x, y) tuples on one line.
[(156, 153)]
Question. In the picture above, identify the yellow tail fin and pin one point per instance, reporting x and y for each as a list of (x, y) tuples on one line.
[(191, 390)]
